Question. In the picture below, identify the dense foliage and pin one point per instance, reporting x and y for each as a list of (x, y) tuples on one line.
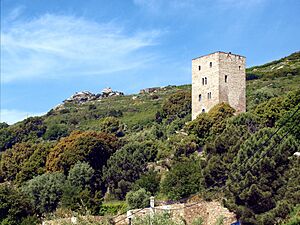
[(90, 158)]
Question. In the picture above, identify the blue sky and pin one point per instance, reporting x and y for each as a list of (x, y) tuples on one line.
[(52, 48)]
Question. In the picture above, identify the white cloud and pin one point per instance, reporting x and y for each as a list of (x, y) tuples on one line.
[(12, 116), (55, 46)]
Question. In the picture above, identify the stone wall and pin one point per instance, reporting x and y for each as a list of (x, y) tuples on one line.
[(234, 90), (210, 212), (198, 88)]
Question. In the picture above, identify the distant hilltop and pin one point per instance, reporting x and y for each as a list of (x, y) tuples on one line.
[(86, 96)]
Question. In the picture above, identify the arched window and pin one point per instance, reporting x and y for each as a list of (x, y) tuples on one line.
[(203, 110), (202, 81), (205, 80), (199, 67), (226, 77), (210, 64), (200, 98)]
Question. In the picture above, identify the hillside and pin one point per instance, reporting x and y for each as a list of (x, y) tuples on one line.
[(272, 79), (110, 152)]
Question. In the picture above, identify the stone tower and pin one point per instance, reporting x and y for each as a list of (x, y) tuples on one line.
[(218, 77)]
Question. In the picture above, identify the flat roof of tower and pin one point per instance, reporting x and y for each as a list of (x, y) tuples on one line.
[(218, 52)]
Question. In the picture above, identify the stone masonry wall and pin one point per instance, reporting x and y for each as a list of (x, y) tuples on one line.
[(210, 212), (232, 91), (212, 75)]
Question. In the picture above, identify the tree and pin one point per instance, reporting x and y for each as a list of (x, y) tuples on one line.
[(220, 153), (112, 125), (14, 206), (182, 145), (13, 159), (36, 164), (3, 125), (127, 165), (29, 129), (56, 131), (183, 179), (259, 179), (77, 192), (45, 191), (89, 146), (148, 181), (219, 113), (138, 199), (270, 111), (177, 105), (80, 175), (200, 127), (24, 160)]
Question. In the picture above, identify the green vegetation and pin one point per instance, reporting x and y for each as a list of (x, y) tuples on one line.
[(138, 199), (88, 159)]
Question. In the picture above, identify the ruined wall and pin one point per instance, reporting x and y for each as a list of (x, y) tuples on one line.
[(210, 212)]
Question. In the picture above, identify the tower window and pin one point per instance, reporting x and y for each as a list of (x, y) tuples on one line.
[(205, 80), (210, 64), (209, 95), (200, 98), (203, 110), (226, 78), (239, 67), (199, 67), (202, 81)]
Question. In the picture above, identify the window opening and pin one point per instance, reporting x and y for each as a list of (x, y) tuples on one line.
[(226, 78), (209, 95), (199, 67), (205, 80), (210, 64), (199, 97)]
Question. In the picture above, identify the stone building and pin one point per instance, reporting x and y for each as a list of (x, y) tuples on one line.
[(218, 77)]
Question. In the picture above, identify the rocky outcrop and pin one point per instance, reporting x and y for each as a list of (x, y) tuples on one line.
[(155, 89), (80, 97), (86, 96), (149, 90)]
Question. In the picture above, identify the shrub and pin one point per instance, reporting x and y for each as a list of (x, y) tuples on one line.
[(127, 165), (138, 199), (45, 191), (113, 208), (156, 219), (177, 105), (112, 125), (148, 181), (14, 206), (56, 131), (183, 179)]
